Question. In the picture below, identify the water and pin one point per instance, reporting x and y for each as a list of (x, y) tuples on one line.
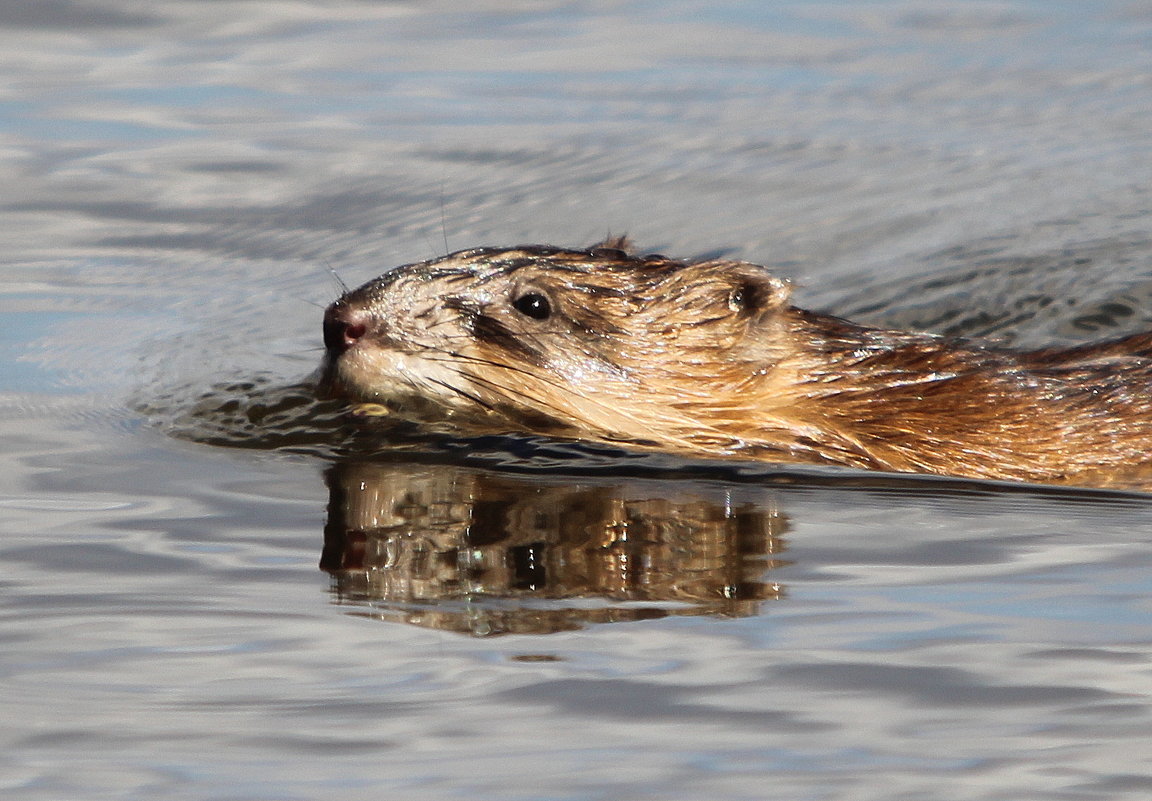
[(211, 590)]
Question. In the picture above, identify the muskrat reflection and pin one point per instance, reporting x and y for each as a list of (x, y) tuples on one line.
[(487, 553)]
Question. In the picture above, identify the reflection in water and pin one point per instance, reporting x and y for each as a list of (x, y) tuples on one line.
[(473, 551)]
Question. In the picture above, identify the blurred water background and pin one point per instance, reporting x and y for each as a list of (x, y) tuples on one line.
[(182, 620)]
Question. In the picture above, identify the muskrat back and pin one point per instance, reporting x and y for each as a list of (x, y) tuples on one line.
[(711, 358)]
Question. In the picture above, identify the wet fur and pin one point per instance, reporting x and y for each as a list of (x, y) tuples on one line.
[(711, 358)]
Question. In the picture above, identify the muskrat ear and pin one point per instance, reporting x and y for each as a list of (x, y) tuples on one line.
[(621, 243), (754, 289)]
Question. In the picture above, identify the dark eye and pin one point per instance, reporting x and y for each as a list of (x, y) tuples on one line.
[(746, 298), (534, 305)]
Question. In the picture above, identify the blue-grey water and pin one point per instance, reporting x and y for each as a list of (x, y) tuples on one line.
[(209, 593)]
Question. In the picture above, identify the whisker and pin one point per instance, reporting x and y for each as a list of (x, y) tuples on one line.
[(456, 358), (336, 277), (562, 412), (462, 393), (505, 390), (443, 223), (442, 322), (317, 304)]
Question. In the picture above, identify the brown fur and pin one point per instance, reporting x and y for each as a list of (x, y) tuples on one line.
[(710, 358)]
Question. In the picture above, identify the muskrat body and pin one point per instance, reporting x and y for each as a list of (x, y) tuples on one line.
[(710, 358)]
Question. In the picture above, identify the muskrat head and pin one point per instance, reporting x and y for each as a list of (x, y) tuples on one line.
[(537, 339)]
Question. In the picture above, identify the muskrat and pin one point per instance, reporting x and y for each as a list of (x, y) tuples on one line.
[(710, 358)]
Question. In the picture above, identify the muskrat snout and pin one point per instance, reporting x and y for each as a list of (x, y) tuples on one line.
[(344, 326)]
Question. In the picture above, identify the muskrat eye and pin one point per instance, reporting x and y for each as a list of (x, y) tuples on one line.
[(534, 305), (736, 299)]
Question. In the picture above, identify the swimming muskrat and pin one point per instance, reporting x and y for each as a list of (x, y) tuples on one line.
[(710, 358)]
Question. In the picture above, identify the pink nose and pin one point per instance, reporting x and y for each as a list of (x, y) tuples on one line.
[(344, 326)]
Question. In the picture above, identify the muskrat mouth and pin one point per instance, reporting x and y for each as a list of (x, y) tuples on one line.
[(398, 403), (380, 381)]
